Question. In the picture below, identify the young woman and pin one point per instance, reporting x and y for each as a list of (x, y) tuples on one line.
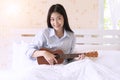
[(58, 35)]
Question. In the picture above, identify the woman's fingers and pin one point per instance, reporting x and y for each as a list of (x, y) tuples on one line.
[(52, 60), (82, 56), (55, 61)]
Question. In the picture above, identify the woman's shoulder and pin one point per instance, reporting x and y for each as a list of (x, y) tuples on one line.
[(70, 33), (43, 31)]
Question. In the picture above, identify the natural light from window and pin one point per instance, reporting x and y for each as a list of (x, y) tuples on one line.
[(12, 9), (111, 15)]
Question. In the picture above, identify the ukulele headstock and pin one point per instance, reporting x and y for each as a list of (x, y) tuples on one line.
[(92, 54)]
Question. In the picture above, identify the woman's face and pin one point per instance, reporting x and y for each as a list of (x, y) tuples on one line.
[(57, 21)]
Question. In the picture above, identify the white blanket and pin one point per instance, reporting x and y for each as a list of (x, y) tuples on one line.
[(86, 69), (105, 67)]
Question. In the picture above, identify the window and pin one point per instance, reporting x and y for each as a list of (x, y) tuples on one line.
[(111, 14)]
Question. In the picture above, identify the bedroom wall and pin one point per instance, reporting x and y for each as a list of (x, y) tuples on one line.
[(25, 14)]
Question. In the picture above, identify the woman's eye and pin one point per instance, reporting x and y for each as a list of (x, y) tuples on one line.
[(52, 19), (59, 18)]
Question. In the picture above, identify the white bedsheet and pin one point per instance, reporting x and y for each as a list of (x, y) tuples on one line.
[(86, 69), (105, 67)]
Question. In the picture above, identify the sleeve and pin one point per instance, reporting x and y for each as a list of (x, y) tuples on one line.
[(36, 44), (73, 44), (72, 49)]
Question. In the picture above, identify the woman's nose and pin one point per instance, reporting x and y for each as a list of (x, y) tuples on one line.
[(56, 22)]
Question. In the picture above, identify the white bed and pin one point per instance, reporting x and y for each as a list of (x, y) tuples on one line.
[(107, 43)]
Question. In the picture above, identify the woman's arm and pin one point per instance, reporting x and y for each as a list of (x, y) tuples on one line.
[(50, 58), (35, 45)]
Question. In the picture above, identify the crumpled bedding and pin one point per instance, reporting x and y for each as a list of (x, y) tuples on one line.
[(86, 69)]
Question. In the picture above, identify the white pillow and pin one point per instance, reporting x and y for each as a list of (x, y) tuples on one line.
[(110, 58), (20, 60)]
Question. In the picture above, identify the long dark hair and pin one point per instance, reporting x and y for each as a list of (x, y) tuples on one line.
[(60, 9)]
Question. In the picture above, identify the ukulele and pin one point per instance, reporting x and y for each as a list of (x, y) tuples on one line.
[(60, 56)]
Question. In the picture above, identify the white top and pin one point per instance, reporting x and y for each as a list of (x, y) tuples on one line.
[(47, 38)]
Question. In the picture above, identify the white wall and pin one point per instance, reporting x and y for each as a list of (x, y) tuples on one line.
[(25, 14)]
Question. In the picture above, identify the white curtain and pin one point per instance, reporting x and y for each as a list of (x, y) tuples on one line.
[(114, 6)]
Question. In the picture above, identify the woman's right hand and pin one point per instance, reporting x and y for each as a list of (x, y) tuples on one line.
[(50, 58)]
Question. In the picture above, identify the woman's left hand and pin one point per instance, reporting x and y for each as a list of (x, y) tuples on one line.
[(80, 57)]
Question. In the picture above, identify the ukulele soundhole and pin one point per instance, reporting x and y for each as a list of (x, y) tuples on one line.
[(57, 56)]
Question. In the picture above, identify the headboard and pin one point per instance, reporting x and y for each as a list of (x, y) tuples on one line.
[(86, 39), (98, 39)]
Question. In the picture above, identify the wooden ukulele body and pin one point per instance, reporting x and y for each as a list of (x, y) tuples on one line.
[(60, 56), (42, 60)]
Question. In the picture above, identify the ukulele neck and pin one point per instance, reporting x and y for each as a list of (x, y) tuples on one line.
[(66, 56)]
